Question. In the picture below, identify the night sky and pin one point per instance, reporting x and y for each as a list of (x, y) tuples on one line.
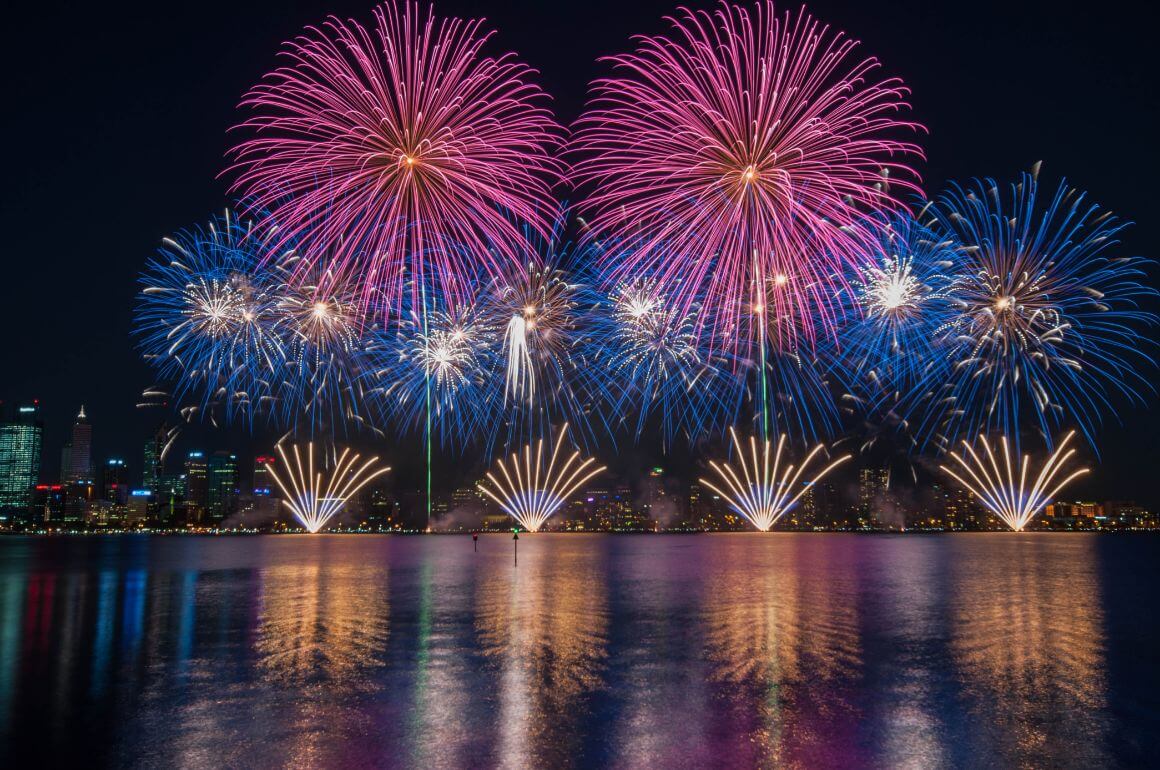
[(116, 121)]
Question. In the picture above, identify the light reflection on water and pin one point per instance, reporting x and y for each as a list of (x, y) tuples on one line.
[(1028, 635), (626, 651)]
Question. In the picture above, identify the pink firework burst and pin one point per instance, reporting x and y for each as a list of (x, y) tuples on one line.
[(737, 158), (398, 150)]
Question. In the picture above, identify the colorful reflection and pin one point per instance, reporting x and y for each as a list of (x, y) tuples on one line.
[(1028, 644), (652, 651), (782, 634), (542, 629)]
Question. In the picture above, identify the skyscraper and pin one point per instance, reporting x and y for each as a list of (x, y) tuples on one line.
[(196, 487), (20, 441), (223, 485), (65, 461), (153, 469), (263, 482), (873, 494), (80, 450), (115, 482)]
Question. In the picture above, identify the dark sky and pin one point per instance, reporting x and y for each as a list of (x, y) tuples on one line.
[(116, 120)]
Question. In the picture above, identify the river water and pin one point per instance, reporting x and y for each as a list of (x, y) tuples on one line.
[(636, 651)]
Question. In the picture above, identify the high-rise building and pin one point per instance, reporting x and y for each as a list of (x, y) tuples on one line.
[(263, 482), (48, 504), (466, 507), (380, 505), (1074, 515), (167, 499), (79, 452), (222, 490), (153, 469), (137, 511), (79, 495), (625, 515), (961, 509), (65, 461), (660, 507), (115, 482), (196, 487), (873, 495), (1126, 514), (21, 435)]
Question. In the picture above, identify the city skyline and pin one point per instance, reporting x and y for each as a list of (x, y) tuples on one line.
[(207, 488)]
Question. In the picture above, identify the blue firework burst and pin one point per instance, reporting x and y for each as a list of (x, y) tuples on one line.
[(208, 320), (1051, 321)]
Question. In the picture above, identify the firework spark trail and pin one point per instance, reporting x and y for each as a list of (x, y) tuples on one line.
[(533, 489), (536, 319), (742, 151), (537, 310), (520, 379), (244, 335), (758, 493), (383, 146), (314, 497), (326, 339), (1003, 490)]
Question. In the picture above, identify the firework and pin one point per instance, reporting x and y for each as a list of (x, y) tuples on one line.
[(208, 319), (498, 369), (239, 335), (1049, 317), (737, 154), (535, 313), (1003, 488), (758, 493), (535, 321), (325, 339), (313, 495), (653, 361), (437, 369), (534, 485), (901, 302), (381, 146)]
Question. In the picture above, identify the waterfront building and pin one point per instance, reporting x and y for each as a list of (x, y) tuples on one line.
[(1073, 515), (115, 482), (137, 511), (379, 508), (1126, 514), (153, 468), (263, 483), (196, 488), (48, 505), (78, 496), (76, 460), (221, 485), (873, 495), (65, 460), (21, 435), (962, 511)]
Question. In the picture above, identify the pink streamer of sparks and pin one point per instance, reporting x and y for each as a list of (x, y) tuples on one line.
[(399, 151), (738, 157)]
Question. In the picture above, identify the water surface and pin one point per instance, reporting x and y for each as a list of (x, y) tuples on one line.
[(789, 650)]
